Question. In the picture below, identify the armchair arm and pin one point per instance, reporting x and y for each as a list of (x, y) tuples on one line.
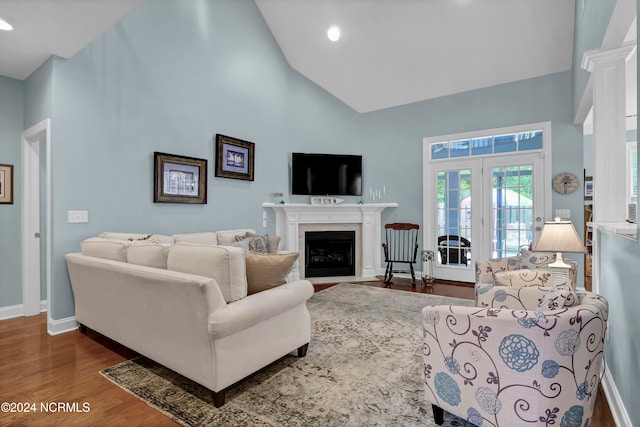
[(258, 307)]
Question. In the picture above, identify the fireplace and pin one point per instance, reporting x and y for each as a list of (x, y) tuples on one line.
[(293, 220), (330, 253)]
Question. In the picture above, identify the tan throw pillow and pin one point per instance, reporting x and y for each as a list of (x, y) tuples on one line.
[(266, 271)]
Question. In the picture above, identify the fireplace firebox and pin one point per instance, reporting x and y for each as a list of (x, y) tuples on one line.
[(330, 253)]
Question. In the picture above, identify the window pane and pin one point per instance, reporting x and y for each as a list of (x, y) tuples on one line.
[(481, 146), (460, 148), (505, 143), (530, 140), (440, 150)]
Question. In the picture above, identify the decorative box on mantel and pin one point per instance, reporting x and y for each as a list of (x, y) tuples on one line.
[(292, 220)]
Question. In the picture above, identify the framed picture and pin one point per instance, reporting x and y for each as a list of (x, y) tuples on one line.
[(234, 158), (588, 187), (179, 179), (6, 184)]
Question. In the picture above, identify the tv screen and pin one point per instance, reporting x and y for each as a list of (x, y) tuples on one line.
[(326, 174)]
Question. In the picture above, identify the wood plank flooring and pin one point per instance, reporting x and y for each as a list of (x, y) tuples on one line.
[(38, 368)]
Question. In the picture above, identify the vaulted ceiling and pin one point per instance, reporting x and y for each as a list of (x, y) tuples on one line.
[(391, 52)]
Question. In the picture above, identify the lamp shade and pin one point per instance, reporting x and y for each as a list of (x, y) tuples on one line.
[(559, 236)]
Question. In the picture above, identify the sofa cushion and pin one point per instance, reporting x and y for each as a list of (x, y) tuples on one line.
[(101, 247), (149, 254), (272, 242), (226, 237), (266, 271), (225, 264), (203, 238)]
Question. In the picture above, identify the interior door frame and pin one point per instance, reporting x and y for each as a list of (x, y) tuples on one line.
[(30, 194)]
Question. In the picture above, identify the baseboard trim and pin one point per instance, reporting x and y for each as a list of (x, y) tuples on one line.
[(618, 411), (11, 311), (56, 327)]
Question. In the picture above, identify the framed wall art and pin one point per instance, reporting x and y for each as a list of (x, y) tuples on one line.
[(234, 158), (179, 179), (6, 184)]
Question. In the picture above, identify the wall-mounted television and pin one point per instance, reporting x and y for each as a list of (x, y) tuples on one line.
[(315, 174)]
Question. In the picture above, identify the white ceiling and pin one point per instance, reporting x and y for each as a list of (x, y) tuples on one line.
[(403, 51), (52, 27), (391, 53)]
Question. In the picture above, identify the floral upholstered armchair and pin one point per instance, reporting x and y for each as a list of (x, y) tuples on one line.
[(527, 269), (524, 356)]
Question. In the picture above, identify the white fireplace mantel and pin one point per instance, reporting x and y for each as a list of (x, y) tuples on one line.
[(289, 217)]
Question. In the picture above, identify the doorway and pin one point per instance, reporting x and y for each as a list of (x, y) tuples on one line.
[(484, 196), (36, 191)]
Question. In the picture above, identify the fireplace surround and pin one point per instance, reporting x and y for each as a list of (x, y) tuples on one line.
[(294, 219)]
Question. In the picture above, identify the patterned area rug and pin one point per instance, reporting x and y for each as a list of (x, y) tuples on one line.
[(363, 367)]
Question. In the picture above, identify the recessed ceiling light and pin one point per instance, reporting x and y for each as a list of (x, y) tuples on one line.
[(334, 33), (4, 25)]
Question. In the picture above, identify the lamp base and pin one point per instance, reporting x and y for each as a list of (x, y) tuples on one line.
[(559, 270)]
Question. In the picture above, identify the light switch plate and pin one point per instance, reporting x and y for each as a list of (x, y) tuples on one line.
[(77, 216), (563, 213)]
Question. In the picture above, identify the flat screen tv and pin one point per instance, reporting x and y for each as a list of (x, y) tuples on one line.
[(326, 174)]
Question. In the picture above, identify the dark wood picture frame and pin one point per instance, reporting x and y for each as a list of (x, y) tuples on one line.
[(234, 158), (6, 184), (179, 179)]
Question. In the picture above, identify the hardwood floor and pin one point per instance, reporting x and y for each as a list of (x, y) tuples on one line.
[(36, 368)]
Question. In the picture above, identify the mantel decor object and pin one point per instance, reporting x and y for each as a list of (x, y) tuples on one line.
[(234, 158), (6, 184), (179, 179)]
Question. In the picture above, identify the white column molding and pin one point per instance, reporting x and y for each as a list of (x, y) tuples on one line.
[(609, 130)]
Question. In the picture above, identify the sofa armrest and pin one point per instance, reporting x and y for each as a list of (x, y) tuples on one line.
[(258, 307)]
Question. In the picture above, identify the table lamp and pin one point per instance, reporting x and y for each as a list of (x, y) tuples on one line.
[(559, 237)]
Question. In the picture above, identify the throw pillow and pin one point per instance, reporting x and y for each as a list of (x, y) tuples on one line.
[(272, 242), (266, 271), (557, 298), (256, 244)]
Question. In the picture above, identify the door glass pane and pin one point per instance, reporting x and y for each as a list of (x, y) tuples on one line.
[(454, 218), (512, 209)]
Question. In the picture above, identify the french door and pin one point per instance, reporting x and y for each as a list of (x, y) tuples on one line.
[(479, 208)]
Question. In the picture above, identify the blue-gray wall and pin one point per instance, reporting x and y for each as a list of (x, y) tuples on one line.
[(139, 89), (11, 122), (590, 24)]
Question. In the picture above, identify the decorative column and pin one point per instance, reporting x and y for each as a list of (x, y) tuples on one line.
[(609, 130)]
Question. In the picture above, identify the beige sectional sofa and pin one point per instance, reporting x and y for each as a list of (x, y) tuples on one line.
[(198, 303)]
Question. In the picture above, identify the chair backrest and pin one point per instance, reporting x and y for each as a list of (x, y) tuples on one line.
[(453, 249), (401, 242)]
